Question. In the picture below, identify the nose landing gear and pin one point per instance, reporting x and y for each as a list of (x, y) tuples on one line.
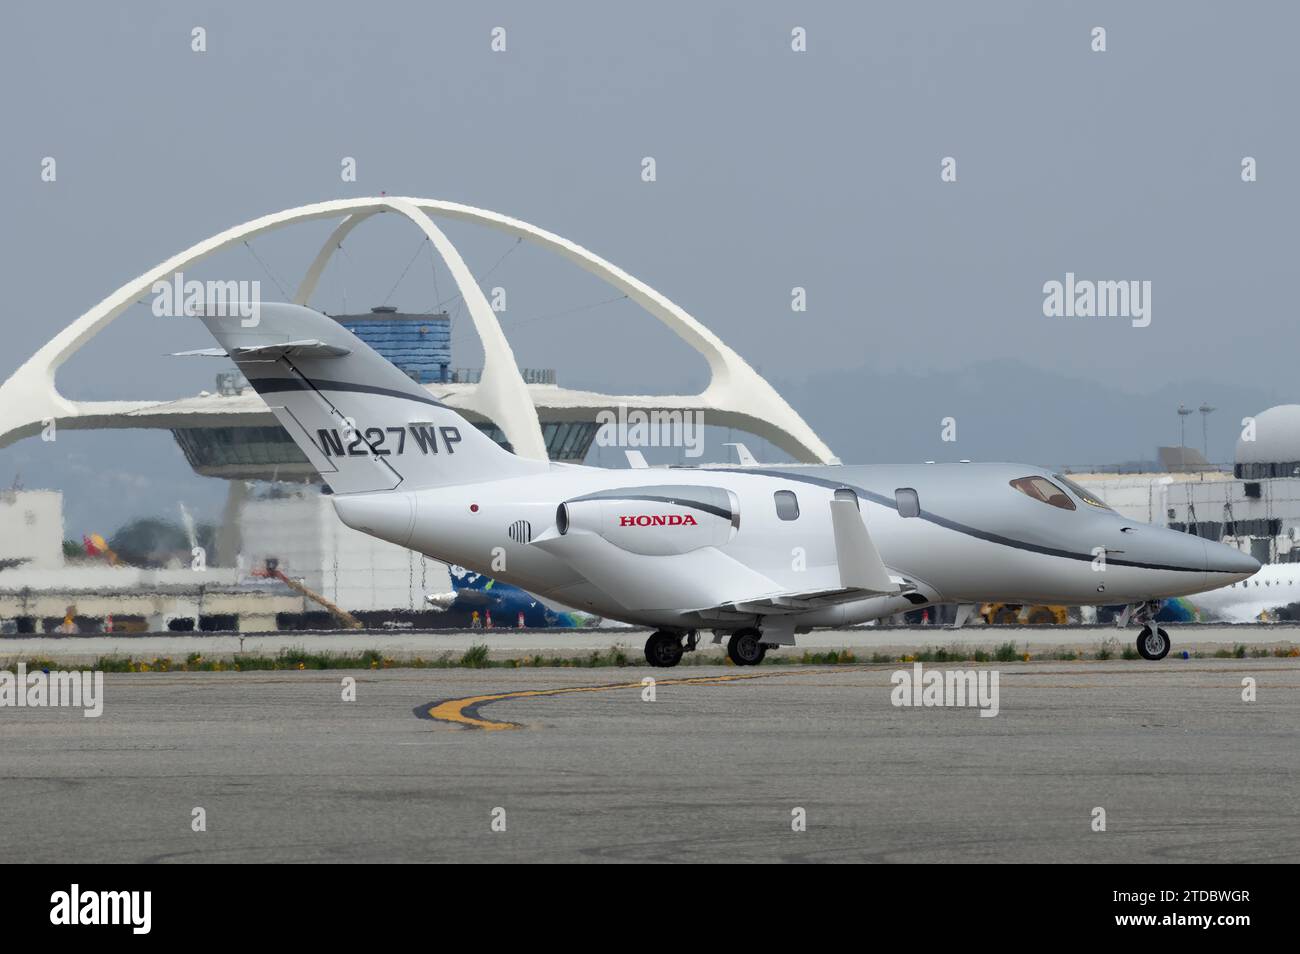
[(1153, 642)]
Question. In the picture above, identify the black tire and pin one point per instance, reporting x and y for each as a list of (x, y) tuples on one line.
[(663, 650), (1153, 644), (744, 647)]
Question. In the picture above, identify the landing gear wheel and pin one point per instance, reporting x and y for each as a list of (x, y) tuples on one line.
[(745, 649), (1153, 643), (663, 650)]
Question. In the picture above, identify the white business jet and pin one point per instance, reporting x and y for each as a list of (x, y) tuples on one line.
[(756, 554)]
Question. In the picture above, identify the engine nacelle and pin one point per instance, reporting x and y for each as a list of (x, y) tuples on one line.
[(654, 521)]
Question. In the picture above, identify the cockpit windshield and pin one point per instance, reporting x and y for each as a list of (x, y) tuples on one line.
[(1040, 488), (1089, 498)]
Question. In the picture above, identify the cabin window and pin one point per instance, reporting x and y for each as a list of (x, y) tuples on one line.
[(908, 503), (1040, 488), (845, 494), (787, 504)]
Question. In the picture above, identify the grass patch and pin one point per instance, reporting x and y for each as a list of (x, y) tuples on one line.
[(832, 658), (616, 657), (476, 657), (942, 655), (1006, 652)]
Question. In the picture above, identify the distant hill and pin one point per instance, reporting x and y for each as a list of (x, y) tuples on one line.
[(1007, 410)]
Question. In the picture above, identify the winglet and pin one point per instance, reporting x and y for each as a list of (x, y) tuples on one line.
[(635, 459), (860, 564)]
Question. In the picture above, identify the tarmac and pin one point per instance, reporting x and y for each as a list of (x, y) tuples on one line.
[(774, 763)]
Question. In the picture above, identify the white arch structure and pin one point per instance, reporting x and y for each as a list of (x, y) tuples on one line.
[(736, 396)]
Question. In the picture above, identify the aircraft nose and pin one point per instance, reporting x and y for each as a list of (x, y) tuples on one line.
[(1223, 559)]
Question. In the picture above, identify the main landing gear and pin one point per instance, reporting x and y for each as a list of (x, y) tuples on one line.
[(664, 649), (746, 648)]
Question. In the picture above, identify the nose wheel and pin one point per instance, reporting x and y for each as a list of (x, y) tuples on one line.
[(1153, 643)]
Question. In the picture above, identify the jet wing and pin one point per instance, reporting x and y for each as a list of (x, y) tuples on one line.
[(783, 603), (862, 573)]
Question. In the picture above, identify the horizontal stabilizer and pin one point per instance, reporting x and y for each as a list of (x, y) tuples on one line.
[(306, 348)]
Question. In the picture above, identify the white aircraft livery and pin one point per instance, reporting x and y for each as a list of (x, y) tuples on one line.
[(756, 554), (1258, 599)]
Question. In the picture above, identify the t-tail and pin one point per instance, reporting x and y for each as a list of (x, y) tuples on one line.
[(362, 423)]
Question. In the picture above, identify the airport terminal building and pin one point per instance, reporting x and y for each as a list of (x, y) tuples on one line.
[(1255, 506)]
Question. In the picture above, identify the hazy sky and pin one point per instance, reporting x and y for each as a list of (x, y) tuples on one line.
[(775, 169)]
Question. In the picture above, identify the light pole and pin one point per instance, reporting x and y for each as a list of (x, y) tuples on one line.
[(1183, 411), (1205, 410)]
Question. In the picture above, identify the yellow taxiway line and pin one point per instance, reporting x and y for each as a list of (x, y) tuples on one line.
[(464, 712)]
